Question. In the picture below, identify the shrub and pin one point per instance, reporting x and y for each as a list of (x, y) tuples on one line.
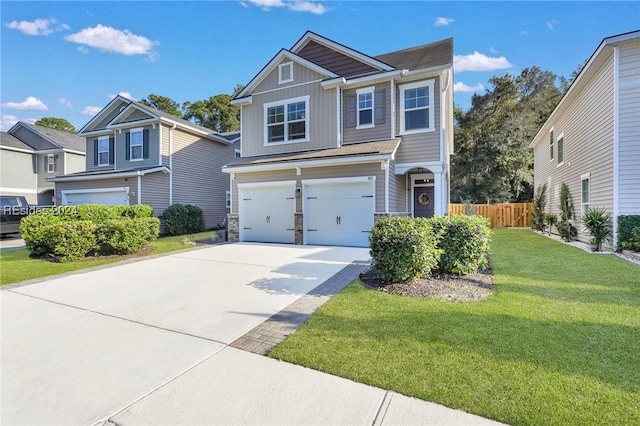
[(565, 228), (539, 204), (126, 235), (596, 220), (550, 220), (32, 230), (183, 219), (96, 213), (629, 232), (403, 248), (71, 240), (134, 211), (463, 241)]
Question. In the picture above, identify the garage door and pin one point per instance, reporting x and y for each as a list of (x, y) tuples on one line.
[(109, 198), (339, 213), (267, 212)]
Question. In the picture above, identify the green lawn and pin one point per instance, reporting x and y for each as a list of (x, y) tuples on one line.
[(16, 265), (557, 344)]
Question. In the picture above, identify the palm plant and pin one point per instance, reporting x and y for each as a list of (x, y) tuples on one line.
[(550, 219), (597, 222)]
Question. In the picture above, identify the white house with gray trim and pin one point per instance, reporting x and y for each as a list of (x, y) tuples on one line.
[(31, 154), (591, 141), (333, 139), (137, 154)]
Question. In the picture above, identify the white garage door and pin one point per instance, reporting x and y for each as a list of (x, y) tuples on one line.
[(109, 198), (267, 212), (339, 213)]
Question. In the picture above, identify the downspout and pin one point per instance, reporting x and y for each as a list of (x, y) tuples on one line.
[(386, 187), (115, 138), (171, 163)]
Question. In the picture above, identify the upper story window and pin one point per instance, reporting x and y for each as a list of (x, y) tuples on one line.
[(287, 121), (285, 72), (135, 145), (560, 144), (585, 193), (551, 145), (417, 109), (103, 151), (238, 153), (365, 107), (50, 163)]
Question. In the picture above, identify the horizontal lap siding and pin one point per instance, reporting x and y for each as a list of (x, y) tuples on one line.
[(17, 173), (380, 131), (155, 191), (197, 175), (322, 115), (629, 131), (397, 191), (74, 163), (165, 145), (43, 174)]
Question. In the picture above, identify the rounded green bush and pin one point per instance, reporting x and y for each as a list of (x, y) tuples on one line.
[(126, 235), (464, 241), (403, 248), (71, 240), (183, 219), (32, 231)]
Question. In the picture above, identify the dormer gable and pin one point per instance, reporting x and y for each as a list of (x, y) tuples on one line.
[(100, 121), (132, 114)]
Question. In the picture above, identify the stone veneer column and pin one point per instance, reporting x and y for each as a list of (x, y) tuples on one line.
[(233, 234), (299, 231)]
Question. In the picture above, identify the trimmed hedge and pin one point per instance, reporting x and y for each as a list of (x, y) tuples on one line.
[(183, 219), (71, 240), (33, 230), (126, 235), (463, 240), (403, 248), (628, 232)]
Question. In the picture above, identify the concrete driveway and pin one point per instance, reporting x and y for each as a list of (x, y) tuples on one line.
[(148, 343)]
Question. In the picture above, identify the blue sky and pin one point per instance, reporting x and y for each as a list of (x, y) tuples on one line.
[(68, 59)]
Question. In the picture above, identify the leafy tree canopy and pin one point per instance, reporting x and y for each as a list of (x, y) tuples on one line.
[(163, 103), (215, 113), (57, 124)]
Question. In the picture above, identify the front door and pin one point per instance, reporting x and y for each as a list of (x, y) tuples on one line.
[(423, 202)]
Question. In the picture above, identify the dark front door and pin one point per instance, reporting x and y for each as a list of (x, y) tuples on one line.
[(423, 201)]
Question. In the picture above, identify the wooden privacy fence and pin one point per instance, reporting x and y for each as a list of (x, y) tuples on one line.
[(503, 215)]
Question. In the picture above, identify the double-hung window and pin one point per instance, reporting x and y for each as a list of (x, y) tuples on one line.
[(51, 163), (135, 146), (560, 144), (585, 192), (287, 121), (365, 107), (551, 145), (417, 107), (103, 151)]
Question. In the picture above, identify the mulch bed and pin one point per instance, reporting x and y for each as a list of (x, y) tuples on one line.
[(452, 288)]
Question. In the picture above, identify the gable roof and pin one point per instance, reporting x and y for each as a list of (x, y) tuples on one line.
[(583, 78), (7, 140), (429, 55), (51, 138)]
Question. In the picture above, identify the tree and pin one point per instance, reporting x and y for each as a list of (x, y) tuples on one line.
[(215, 113), (163, 103), (492, 161), (57, 124)]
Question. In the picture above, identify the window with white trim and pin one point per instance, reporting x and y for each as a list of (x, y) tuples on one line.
[(285, 72), (287, 121), (103, 151), (135, 146), (416, 104), (560, 144), (551, 144), (51, 163), (228, 199), (585, 192), (365, 107)]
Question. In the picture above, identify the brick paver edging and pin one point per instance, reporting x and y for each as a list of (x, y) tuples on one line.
[(268, 334)]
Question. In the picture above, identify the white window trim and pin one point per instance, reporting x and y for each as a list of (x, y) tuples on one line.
[(141, 145), (283, 66), (100, 140), (373, 107), (558, 139), (286, 102), (430, 85), (228, 199), (51, 163), (583, 177), (552, 146)]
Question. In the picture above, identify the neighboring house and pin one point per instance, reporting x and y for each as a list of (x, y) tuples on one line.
[(591, 141), (333, 139), (30, 154), (140, 155)]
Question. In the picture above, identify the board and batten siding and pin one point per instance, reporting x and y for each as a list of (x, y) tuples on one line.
[(419, 147), (17, 175), (322, 118), (380, 131), (197, 174), (587, 127), (629, 130), (328, 172), (131, 183)]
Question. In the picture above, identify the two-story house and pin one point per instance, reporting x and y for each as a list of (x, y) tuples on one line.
[(140, 155), (30, 154), (591, 141), (333, 139)]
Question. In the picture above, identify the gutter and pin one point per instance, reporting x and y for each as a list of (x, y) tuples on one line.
[(308, 163), (107, 176), (171, 163)]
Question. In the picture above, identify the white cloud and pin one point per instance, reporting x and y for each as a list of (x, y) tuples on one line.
[(8, 121), (552, 25), (479, 62), (108, 39), (35, 28), (463, 88), (295, 5), (124, 95), (90, 110), (442, 22), (65, 102), (31, 103)]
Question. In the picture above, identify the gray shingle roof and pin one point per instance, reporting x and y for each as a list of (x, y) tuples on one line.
[(58, 138), (429, 55), (8, 140)]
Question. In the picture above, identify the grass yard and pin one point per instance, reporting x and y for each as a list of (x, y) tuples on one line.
[(16, 265), (557, 344)]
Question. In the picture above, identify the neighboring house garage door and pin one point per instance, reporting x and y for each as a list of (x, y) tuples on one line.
[(338, 211), (267, 212), (110, 197)]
